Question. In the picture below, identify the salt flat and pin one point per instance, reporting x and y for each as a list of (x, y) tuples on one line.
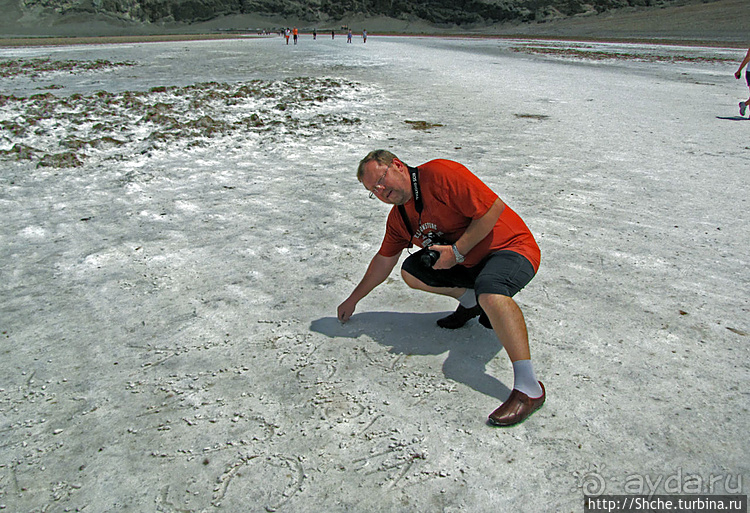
[(181, 220)]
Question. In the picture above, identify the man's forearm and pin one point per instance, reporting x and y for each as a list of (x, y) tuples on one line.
[(379, 269), (480, 228)]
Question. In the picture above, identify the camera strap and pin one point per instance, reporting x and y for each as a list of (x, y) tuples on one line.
[(418, 204)]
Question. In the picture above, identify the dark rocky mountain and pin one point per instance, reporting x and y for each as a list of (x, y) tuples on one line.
[(448, 12)]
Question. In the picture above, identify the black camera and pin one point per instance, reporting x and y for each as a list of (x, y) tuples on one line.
[(429, 257)]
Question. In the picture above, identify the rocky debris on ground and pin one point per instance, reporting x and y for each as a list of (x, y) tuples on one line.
[(64, 131)]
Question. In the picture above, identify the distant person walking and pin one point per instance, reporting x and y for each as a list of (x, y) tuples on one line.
[(364, 36), (286, 35), (738, 74), (349, 36), (295, 33), (333, 34), (315, 34)]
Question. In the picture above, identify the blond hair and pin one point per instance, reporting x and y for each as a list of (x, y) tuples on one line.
[(383, 157)]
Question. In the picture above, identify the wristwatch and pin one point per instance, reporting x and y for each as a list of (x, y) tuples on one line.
[(459, 256)]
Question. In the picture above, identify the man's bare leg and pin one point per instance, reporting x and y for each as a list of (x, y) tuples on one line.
[(510, 327), (467, 308)]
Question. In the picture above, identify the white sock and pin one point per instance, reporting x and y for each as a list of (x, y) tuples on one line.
[(468, 299), (524, 379)]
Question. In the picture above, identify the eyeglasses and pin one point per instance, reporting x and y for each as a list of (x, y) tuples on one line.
[(378, 187)]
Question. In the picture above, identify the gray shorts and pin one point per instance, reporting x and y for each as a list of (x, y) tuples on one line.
[(502, 272)]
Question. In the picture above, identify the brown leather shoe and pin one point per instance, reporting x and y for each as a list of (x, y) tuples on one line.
[(517, 408), (458, 318)]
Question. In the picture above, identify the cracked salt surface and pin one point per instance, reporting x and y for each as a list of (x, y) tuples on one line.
[(169, 339)]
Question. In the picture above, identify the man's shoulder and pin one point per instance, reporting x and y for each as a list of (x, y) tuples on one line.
[(441, 164), (449, 175), (444, 168)]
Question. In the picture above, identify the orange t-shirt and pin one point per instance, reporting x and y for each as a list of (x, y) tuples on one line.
[(453, 197)]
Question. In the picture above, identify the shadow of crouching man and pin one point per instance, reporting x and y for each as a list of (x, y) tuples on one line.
[(412, 334)]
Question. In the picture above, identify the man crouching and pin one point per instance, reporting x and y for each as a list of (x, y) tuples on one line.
[(475, 249)]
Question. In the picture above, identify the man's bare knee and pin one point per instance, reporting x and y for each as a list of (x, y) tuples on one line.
[(410, 280), (487, 301)]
